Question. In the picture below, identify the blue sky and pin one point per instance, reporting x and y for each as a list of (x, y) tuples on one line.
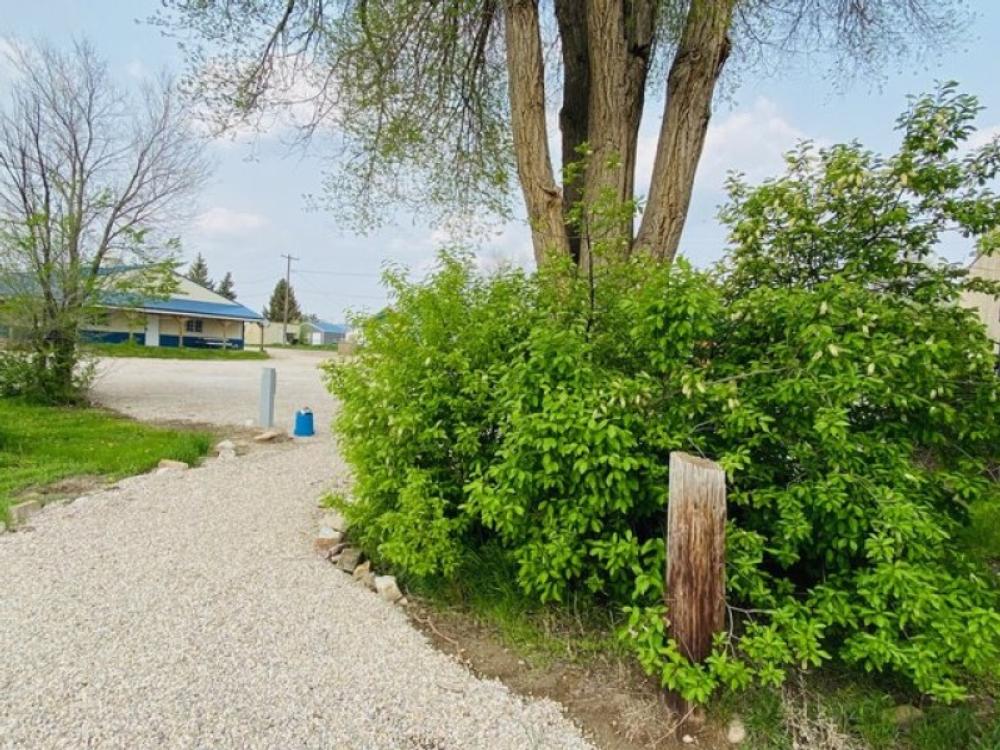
[(253, 209)]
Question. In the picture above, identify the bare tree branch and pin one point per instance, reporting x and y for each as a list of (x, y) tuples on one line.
[(87, 173)]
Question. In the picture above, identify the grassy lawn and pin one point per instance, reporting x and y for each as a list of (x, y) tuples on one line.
[(41, 445), (156, 352)]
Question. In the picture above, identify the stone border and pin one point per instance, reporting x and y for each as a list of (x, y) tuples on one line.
[(331, 542), (21, 513)]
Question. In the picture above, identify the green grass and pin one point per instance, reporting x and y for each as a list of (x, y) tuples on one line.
[(158, 352), (862, 706), (487, 588), (41, 445)]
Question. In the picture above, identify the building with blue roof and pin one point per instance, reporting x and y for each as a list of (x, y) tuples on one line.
[(192, 316), (322, 333)]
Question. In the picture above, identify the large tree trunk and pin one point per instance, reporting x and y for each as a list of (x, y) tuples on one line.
[(63, 365), (526, 86), (571, 16), (619, 37), (701, 54), (640, 25), (55, 362)]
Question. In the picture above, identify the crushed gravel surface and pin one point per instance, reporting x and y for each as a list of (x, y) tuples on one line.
[(188, 609), (214, 391)]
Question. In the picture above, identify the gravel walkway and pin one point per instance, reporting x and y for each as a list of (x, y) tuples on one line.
[(214, 391), (187, 609)]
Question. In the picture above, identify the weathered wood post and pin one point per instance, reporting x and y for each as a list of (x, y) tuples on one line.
[(695, 589)]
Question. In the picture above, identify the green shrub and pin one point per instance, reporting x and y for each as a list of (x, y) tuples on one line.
[(23, 374), (826, 366), (16, 373), (417, 404)]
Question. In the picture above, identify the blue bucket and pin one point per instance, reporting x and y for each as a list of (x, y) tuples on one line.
[(304, 423)]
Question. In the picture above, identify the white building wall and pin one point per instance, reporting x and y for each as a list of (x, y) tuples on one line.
[(187, 289), (986, 267)]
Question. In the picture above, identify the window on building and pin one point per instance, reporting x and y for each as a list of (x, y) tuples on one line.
[(193, 326)]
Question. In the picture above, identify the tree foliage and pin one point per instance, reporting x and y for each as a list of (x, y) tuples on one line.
[(827, 366), (226, 287), (439, 105), (198, 273), (275, 309)]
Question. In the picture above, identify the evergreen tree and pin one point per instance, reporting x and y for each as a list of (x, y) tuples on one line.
[(275, 310), (198, 273), (226, 287)]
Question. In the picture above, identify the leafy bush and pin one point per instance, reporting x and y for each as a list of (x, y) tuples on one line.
[(827, 366), (16, 373), (417, 408), (22, 373)]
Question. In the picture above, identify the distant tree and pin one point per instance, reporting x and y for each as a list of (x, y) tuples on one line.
[(91, 178), (198, 273), (275, 309), (226, 288)]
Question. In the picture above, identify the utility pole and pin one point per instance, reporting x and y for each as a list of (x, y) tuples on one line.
[(288, 292)]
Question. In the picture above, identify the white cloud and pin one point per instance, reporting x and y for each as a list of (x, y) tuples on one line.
[(224, 221), (749, 140)]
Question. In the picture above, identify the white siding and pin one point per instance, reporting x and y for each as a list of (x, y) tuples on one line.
[(187, 289), (986, 267)]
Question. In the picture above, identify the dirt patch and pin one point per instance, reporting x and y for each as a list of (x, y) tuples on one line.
[(73, 486), (62, 489), (617, 706), (241, 435)]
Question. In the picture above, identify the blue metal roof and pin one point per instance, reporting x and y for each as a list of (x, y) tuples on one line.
[(195, 307), (322, 325), (230, 310)]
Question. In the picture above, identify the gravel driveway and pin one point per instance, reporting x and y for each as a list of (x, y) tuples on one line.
[(187, 609), (214, 391)]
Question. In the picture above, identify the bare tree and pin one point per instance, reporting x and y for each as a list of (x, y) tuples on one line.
[(91, 177), (440, 103)]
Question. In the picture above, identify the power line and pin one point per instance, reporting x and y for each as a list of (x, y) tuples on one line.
[(337, 273), (327, 292)]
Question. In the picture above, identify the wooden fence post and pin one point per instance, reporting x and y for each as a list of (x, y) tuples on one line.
[(695, 589)]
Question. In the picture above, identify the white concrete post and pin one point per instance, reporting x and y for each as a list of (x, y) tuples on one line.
[(268, 385)]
